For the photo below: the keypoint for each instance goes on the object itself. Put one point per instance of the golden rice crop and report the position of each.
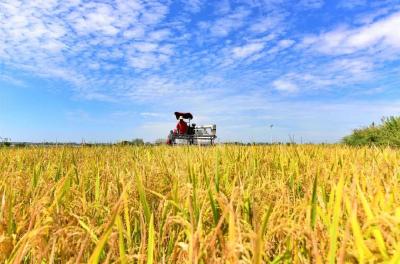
(223, 204)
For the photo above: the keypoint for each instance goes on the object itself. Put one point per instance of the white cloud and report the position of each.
(155, 13)
(334, 75)
(134, 33)
(145, 46)
(143, 61)
(285, 86)
(281, 45)
(247, 50)
(94, 66)
(225, 25)
(368, 18)
(96, 18)
(159, 35)
(11, 80)
(270, 22)
(193, 6)
(222, 7)
(355, 67)
(312, 81)
(285, 43)
(167, 49)
(382, 34)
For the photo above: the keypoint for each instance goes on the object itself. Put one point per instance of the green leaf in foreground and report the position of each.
(314, 204)
(150, 245)
(142, 197)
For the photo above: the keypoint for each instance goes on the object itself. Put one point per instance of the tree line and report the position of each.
(387, 133)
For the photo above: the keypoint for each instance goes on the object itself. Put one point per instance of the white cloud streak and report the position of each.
(381, 35)
(247, 50)
(285, 86)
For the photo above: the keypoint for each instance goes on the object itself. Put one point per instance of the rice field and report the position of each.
(223, 204)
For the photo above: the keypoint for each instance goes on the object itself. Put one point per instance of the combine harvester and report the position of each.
(190, 134)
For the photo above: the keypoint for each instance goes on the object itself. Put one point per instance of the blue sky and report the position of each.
(73, 70)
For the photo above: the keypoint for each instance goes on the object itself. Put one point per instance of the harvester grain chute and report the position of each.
(187, 133)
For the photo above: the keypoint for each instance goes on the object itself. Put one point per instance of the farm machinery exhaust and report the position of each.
(186, 133)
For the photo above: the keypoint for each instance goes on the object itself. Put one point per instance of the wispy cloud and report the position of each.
(285, 86)
(193, 6)
(11, 80)
(222, 27)
(378, 35)
(247, 50)
(281, 45)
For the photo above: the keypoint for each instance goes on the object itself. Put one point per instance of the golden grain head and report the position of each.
(247, 204)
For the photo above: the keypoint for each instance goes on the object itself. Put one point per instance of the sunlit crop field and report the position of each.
(223, 204)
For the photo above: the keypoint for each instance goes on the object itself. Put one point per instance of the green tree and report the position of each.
(385, 134)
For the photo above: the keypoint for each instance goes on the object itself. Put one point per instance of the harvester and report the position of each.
(191, 134)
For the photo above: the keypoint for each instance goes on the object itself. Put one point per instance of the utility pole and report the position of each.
(270, 134)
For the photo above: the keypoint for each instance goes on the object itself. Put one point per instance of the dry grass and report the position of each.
(226, 204)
